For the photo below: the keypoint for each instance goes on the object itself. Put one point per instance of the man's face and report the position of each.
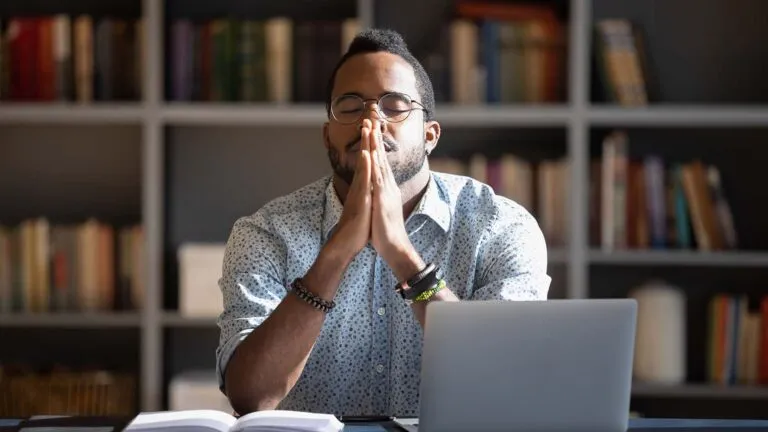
(369, 76)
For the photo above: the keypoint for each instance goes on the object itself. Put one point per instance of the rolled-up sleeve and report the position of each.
(251, 284)
(512, 260)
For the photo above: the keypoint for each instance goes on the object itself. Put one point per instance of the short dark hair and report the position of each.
(376, 40)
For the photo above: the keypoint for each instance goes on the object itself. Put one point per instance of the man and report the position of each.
(316, 313)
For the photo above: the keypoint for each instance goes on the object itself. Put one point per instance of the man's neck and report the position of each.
(411, 191)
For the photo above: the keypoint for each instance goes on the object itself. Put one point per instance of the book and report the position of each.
(219, 421)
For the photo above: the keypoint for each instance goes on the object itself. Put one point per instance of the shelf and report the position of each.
(704, 390)
(679, 116)
(172, 319)
(679, 258)
(96, 113)
(67, 319)
(221, 114)
(314, 115)
(503, 115)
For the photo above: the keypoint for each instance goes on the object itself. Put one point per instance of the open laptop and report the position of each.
(555, 365)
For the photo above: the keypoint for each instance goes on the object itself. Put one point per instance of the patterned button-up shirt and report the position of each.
(366, 360)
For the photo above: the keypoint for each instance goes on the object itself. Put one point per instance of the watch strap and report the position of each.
(419, 283)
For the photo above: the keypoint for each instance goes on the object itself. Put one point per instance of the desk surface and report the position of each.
(635, 425)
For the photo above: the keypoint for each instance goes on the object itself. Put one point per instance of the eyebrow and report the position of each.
(363, 97)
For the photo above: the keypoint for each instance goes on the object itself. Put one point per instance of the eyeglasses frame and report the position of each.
(378, 109)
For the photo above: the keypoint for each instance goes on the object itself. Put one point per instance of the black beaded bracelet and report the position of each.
(312, 299)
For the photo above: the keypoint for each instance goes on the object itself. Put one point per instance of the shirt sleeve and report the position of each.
(251, 284)
(512, 261)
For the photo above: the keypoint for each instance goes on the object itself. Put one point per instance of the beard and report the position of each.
(403, 170)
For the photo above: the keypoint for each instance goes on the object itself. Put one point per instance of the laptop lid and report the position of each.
(527, 366)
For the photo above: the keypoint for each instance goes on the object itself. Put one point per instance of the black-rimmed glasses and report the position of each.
(394, 107)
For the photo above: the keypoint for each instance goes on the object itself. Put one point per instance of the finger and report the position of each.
(386, 169)
(367, 127)
(366, 148)
(375, 168)
(375, 135)
(363, 171)
(378, 139)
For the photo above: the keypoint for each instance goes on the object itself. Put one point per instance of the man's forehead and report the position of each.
(371, 74)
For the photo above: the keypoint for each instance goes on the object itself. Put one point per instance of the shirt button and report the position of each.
(382, 311)
(380, 368)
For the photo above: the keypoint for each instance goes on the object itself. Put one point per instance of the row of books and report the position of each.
(654, 204)
(274, 60)
(493, 52)
(540, 187)
(71, 58)
(88, 266)
(737, 340)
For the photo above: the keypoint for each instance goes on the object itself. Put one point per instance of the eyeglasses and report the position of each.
(394, 107)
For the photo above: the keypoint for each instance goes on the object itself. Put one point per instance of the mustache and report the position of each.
(388, 141)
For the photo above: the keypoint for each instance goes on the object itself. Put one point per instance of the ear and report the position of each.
(326, 140)
(431, 135)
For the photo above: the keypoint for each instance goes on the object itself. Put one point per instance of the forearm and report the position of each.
(267, 363)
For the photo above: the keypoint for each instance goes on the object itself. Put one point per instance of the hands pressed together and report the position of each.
(373, 210)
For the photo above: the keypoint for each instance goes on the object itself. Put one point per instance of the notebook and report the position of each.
(218, 421)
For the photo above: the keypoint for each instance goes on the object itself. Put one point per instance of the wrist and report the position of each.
(405, 263)
(325, 274)
(339, 249)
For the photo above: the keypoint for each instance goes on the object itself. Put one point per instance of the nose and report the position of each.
(373, 113)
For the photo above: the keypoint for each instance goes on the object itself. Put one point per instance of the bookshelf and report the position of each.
(185, 170)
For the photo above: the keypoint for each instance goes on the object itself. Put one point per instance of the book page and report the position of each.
(281, 420)
(189, 420)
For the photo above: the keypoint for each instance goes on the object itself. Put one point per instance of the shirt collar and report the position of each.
(332, 210)
(433, 204)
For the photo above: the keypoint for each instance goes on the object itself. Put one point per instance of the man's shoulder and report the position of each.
(473, 199)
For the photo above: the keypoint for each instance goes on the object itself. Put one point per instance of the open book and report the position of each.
(218, 421)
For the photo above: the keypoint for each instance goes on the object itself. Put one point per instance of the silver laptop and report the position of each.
(555, 365)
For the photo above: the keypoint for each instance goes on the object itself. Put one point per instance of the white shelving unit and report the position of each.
(578, 116)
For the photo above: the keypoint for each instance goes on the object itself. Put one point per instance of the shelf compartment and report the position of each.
(699, 285)
(188, 350)
(698, 51)
(108, 348)
(736, 152)
(68, 173)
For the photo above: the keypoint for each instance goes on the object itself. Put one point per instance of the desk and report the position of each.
(635, 425)
(701, 425)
